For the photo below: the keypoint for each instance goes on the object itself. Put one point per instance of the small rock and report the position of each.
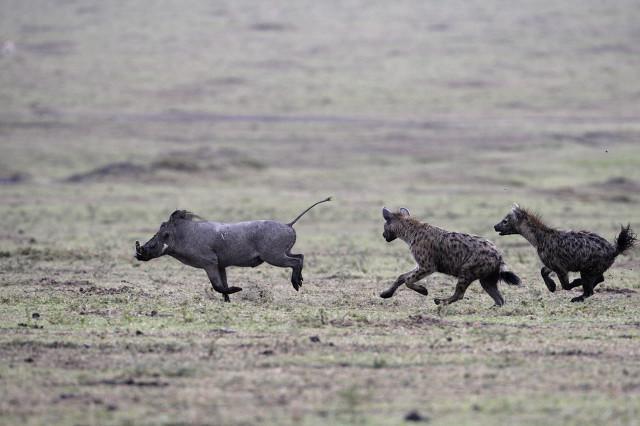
(415, 416)
(267, 352)
(35, 315)
(315, 339)
(28, 360)
(139, 333)
(153, 313)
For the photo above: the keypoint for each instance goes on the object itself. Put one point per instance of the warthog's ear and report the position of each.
(404, 212)
(386, 214)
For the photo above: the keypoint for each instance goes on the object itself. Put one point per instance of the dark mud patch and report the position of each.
(50, 48)
(271, 27)
(48, 254)
(14, 178)
(614, 190)
(113, 171)
(127, 382)
(615, 290)
(620, 183)
(207, 159)
(202, 160)
(52, 282)
(596, 138)
(105, 291)
(424, 320)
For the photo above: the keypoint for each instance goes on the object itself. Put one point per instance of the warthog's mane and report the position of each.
(184, 215)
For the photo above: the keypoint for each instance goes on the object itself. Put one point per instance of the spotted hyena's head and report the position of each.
(393, 222)
(509, 225)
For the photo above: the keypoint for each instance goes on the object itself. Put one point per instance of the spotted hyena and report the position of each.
(567, 251)
(464, 256)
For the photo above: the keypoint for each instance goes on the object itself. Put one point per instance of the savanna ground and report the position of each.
(114, 114)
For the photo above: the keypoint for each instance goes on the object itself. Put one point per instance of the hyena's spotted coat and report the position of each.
(464, 256)
(567, 251)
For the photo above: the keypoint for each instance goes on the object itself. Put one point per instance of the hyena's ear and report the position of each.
(515, 207)
(404, 212)
(386, 214)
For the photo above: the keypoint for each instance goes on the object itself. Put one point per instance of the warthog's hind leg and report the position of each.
(288, 261)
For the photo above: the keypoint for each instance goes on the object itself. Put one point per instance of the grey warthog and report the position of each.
(466, 257)
(567, 251)
(213, 246)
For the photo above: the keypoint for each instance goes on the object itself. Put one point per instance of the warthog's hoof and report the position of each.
(437, 301)
(578, 299)
(232, 290)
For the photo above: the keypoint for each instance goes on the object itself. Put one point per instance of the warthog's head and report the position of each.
(158, 244)
(392, 222)
(164, 239)
(509, 225)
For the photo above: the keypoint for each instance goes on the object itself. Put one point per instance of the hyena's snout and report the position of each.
(389, 236)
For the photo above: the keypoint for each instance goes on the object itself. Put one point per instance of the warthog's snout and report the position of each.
(140, 252)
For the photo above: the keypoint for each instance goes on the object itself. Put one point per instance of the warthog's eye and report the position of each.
(504, 220)
(165, 235)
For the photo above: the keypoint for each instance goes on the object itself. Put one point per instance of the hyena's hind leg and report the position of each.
(490, 285)
(458, 294)
(588, 284)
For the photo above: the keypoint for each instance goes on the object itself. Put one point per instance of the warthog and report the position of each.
(213, 246)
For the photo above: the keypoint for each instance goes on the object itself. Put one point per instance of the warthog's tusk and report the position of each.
(165, 246)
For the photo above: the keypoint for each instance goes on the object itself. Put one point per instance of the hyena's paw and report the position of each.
(387, 293)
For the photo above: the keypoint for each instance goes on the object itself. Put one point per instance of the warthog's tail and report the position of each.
(508, 276)
(625, 240)
(303, 213)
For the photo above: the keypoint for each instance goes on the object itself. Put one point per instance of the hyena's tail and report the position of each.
(508, 276)
(625, 240)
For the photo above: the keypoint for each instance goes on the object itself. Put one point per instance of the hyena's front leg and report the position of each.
(549, 282)
(408, 278)
(564, 281)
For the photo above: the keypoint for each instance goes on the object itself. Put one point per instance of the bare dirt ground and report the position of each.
(112, 116)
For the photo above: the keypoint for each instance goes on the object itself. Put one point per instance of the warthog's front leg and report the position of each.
(213, 272)
(408, 278)
(223, 278)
